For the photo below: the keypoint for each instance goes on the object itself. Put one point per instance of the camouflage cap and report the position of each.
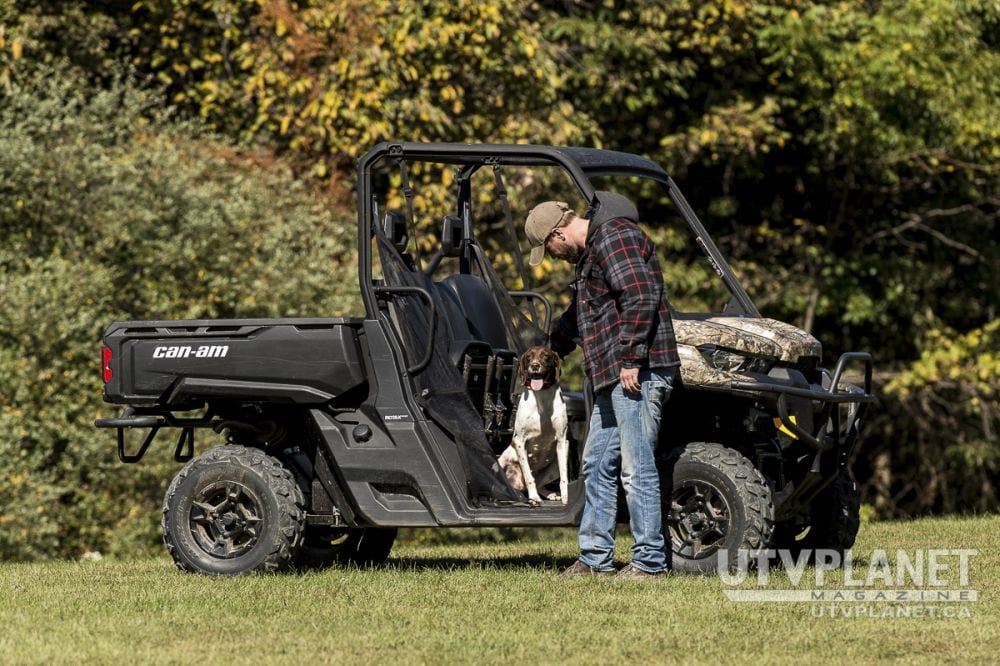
(542, 219)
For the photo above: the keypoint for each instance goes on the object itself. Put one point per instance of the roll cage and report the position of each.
(581, 164)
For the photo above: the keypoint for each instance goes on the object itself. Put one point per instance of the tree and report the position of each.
(326, 79)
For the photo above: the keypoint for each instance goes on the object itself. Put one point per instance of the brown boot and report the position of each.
(578, 568)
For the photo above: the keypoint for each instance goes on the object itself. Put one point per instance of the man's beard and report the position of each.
(570, 254)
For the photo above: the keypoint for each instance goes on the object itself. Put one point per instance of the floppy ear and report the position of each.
(556, 361)
(521, 372)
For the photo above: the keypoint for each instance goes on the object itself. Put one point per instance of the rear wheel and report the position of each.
(326, 546)
(233, 510)
(714, 501)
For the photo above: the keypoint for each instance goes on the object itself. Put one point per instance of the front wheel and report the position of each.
(832, 523)
(233, 510)
(714, 501)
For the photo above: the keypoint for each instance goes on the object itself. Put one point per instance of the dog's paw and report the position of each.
(553, 496)
(535, 501)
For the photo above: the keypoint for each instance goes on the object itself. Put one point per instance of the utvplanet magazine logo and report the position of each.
(928, 583)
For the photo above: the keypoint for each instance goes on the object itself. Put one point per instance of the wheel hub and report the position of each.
(698, 519)
(225, 519)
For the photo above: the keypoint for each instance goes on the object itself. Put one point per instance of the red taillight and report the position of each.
(106, 363)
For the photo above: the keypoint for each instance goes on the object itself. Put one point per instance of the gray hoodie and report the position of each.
(608, 206)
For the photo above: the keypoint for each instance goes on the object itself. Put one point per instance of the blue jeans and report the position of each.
(623, 431)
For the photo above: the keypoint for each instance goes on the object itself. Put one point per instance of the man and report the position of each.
(621, 317)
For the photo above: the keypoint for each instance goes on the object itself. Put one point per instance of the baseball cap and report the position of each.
(542, 219)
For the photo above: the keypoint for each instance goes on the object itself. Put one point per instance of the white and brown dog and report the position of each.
(540, 450)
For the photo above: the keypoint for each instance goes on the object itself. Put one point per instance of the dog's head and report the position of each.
(539, 368)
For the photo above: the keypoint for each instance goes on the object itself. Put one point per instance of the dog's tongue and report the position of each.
(536, 384)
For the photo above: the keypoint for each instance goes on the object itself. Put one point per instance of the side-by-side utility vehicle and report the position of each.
(335, 432)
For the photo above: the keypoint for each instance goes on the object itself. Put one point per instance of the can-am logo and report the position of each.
(186, 351)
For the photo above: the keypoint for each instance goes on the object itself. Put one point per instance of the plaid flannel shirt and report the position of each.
(620, 314)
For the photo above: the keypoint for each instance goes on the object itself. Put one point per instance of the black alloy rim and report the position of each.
(698, 519)
(226, 519)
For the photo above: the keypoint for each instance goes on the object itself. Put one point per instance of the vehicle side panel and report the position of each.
(298, 360)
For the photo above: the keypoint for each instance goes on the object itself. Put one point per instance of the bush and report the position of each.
(110, 211)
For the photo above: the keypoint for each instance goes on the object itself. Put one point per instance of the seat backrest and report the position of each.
(480, 309)
(451, 313)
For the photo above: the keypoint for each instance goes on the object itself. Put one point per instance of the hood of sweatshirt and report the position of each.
(608, 206)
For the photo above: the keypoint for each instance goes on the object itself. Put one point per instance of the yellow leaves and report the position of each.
(333, 76)
(300, 86)
(16, 49)
(971, 360)
(311, 110)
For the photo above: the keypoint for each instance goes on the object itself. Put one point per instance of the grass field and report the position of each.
(489, 604)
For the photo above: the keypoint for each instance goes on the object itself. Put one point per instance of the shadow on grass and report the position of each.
(541, 562)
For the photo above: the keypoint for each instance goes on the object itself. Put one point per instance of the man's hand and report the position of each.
(630, 380)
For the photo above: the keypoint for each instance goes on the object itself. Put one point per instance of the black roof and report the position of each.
(591, 161)
(595, 159)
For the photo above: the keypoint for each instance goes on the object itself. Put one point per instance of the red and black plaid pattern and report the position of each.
(620, 314)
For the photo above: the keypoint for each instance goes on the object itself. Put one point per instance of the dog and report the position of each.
(539, 452)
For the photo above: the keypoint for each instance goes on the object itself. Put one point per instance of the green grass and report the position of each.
(492, 604)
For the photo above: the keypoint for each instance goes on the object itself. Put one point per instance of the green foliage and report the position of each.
(845, 156)
(903, 185)
(36, 35)
(327, 79)
(108, 211)
(940, 421)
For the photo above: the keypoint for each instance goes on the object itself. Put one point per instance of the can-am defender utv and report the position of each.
(338, 431)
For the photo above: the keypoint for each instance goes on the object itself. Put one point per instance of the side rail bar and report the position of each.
(535, 296)
(419, 366)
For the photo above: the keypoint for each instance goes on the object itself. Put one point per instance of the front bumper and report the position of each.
(839, 406)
